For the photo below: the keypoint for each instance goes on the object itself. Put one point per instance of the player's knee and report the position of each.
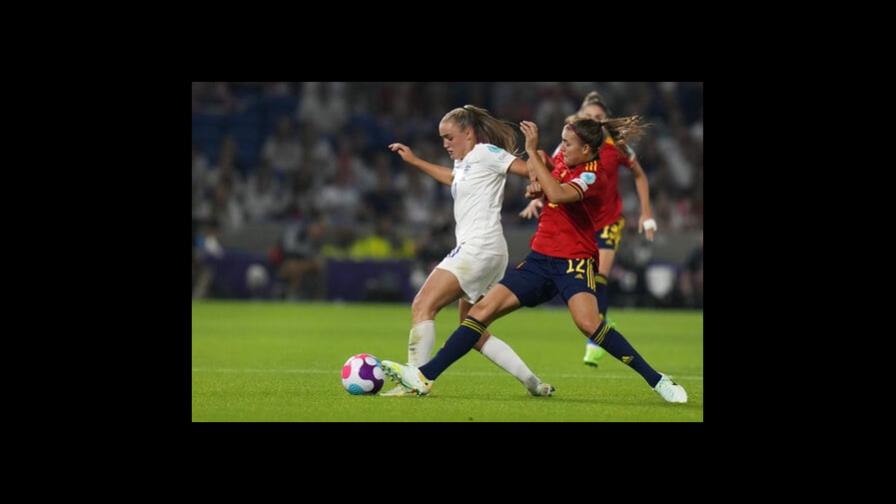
(482, 312)
(587, 325)
(422, 309)
(482, 339)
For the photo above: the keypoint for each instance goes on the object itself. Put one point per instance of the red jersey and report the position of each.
(566, 230)
(610, 160)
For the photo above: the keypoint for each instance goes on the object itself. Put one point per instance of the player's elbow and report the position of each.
(522, 173)
(564, 196)
(567, 198)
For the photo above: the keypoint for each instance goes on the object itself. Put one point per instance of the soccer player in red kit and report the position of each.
(610, 223)
(561, 262)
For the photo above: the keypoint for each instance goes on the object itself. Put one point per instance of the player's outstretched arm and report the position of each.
(646, 224)
(518, 167)
(440, 173)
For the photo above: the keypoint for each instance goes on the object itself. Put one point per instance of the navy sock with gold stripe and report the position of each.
(458, 344)
(617, 346)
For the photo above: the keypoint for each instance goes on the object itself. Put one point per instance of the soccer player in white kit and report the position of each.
(479, 144)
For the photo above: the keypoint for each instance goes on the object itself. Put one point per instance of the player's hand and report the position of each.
(534, 190)
(531, 209)
(530, 131)
(404, 151)
(647, 225)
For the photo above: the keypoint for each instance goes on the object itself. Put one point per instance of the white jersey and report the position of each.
(478, 191)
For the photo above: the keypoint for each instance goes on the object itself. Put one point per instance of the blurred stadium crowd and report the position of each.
(309, 160)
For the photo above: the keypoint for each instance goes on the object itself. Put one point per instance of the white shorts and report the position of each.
(476, 271)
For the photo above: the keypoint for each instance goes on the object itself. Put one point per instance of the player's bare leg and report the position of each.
(440, 289)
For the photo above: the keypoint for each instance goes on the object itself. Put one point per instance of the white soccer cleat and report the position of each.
(399, 391)
(671, 391)
(408, 376)
(543, 389)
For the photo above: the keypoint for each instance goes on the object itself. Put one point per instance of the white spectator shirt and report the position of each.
(478, 192)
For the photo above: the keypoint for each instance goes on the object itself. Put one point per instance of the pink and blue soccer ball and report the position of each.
(362, 374)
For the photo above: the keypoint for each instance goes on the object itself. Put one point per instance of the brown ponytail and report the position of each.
(487, 128)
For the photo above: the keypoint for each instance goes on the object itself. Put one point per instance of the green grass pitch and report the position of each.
(281, 362)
